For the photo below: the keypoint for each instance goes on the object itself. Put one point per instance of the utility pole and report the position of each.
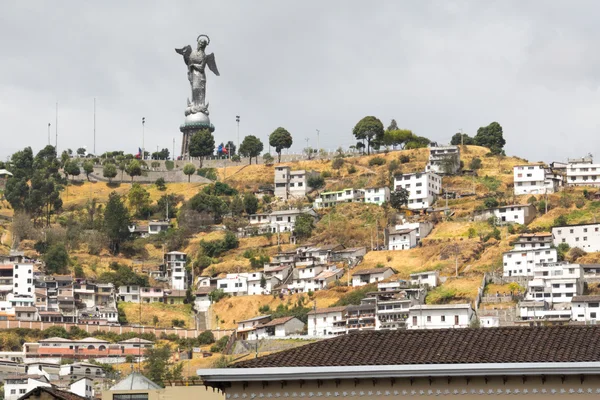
(462, 138)
(307, 149)
(49, 134)
(315, 310)
(173, 156)
(237, 119)
(56, 130)
(143, 138)
(318, 132)
(94, 126)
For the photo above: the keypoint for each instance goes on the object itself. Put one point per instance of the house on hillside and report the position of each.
(555, 282)
(279, 328)
(247, 327)
(423, 188)
(428, 278)
(532, 241)
(443, 159)
(585, 308)
(175, 264)
(333, 198)
(373, 275)
(440, 316)
(377, 195)
(584, 236)
(522, 262)
(18, 385)
(327, 321)
(535, 179)
(291, 184)
(583, 172)
(400, 239)
(516, 214)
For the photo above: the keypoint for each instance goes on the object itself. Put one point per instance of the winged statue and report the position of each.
(196, 61)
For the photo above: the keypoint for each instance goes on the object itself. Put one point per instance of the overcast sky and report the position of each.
(434, 66)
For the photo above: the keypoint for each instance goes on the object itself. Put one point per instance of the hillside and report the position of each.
(348, 224)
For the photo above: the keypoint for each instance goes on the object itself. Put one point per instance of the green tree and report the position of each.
(280, 139)
(304, 226)
(72, 168)
(88, 168)
(237, 206)
(268, 159)
(80, 151)
(109, 171)
(561, 220)
(315, 182)
(160, 184)
(116, 222)
(337, 163)
(475, 164)
(398, 137)
(139, 199)
(490, 202)
(491, 137)
(122, 167)
(45, 185)
(369, 128)
(189, 170)
(465, 139)
(20, 165)
(250, 203)
(56, 259)
(202, 144)
(399, 198)
(156, 364)
(393, 125)
(250, 147)
(167, 201)
(231, 148)
(134, 168)
(263, 281)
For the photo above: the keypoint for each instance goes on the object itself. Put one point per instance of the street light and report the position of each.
(318, 132)
(237, 119)
(143, 138)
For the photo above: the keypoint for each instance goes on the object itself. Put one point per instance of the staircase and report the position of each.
(201, 321)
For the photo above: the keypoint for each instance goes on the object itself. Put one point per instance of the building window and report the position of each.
(443, 318)
(414, 321)
(429, 318)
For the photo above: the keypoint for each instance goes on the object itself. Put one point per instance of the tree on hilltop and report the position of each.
(202, 144)
(370, 129)
(250, 147)
(280, 139)
(491, 136)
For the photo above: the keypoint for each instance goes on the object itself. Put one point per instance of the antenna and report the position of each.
(56, 130)
(94, 126)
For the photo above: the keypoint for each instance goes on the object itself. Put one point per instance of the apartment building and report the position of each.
(277, 221)
(534, 179)
(400, 238)
(585, 308)
(377, 195)
(175, 263)
(522, 262)
(584, 236)
(583, 172)
(521, 214)
(333, 198)
(532, 241)
(291, 184)
(440, 316)
(373, 275)
(327, 321)
(443, 159)
(423, 188)
(555, 282)
(427, 278)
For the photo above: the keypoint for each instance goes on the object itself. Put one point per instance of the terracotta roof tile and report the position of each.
(445, 346)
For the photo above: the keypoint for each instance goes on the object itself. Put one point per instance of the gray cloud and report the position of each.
(434, 66)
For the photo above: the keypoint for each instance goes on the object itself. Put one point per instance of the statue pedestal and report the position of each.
(193, 123)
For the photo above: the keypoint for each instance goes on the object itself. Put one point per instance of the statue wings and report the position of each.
(212, 64)
(185, 52)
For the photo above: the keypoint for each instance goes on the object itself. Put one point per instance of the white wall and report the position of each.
(423, 188)
(439, 318)
(377, 195)
(23, 279)
(323, 322)
(402, 241)
(522, 262)
(586, 237)
(585, 311)
(582, 174)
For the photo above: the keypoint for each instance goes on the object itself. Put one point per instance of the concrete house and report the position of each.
(248, 326)
(534, 179)
(427, 278)
(585, 308)
(280, 328)
(522, 262)
(331, 199)
(583, 172)
(377, 195)
(291, 184)
(516, 213)
(423, 188)
(400, 239)
(373, 275)
(555, 282)
(443, 159)
(327, 321)
(440, 316)
(584, 236)
(175, 262)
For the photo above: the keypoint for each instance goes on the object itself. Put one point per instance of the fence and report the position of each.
(182, 333)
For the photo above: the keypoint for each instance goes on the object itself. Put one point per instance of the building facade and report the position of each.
(423, 188)
(584, 236)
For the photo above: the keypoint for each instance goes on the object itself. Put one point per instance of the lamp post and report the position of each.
(318, 132)
(143, 138)
(48, 133)
(237, 119)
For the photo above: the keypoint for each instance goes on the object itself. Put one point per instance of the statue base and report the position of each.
(192, 125)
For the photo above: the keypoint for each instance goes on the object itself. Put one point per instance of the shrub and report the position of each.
(264, 309)
(472, 233)
(475, 163)
(490, 202)
(216, 295)
(169, 165)
(219, 346)
(561, 220)
(206, 337)
(160, 183)
(511, 229)
(531, 200)
(337, 163)
(541, 206)
(404, 158)
(579, 203)
(351, 169)
(354, 297)
(574, 254)
(208, 173)
(377, 161)
(393, 166)
(326, 174)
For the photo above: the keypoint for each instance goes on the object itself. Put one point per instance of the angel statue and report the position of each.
(196, 60)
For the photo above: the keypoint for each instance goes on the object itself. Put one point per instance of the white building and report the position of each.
(516, 213)
(331, 199)
(429, 278)
(23, 279)
(255, 279)
(377, 195)
(440, 316)
(279, 328)
(327, 321)
(83, 387)
(278, 221)
(16, 386)
(235, 284)
(129, 294)
(202, 300)
(583, 172)
(541, 310)
(247, 327)
(291, 184)
(534, 179)
(532, 241)
(522, 262)
(176, 272)
(585, 308)
(423, 188)
(156, 227)
(400, 238)
(555, 282)
(584, 236)
(373, 275)
(443, 159)
(489, 321)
